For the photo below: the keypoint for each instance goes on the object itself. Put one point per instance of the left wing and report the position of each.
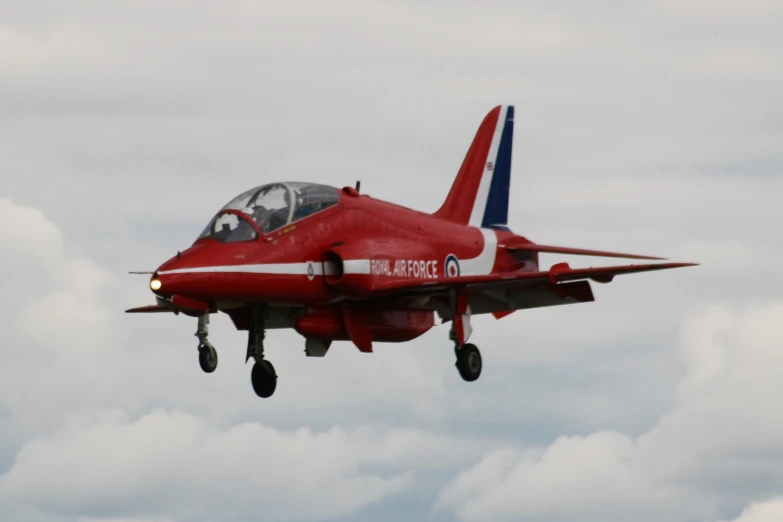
(150, 309)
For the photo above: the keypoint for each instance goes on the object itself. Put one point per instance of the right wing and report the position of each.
(559, 273)
(500, 294)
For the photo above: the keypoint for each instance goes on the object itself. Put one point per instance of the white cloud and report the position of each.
(175, 464)
(765, 511)
(723, 434)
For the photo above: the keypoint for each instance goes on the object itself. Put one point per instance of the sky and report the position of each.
(646, 127)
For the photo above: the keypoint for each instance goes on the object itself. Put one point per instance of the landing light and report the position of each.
(155, 284)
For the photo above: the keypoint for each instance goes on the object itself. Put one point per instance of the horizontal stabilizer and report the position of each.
(517, 245)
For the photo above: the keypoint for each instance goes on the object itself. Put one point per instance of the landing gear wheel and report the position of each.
(469, 362)
(263, 378)
(207, 358)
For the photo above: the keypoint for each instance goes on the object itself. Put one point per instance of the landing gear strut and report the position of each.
(263, 376)
(207, 355)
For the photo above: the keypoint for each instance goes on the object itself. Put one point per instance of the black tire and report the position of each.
(469, 362)
(207, 359)
(263, 378)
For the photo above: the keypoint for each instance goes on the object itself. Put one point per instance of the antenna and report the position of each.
(358, 185)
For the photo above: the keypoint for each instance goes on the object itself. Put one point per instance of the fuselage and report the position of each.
(376, 241)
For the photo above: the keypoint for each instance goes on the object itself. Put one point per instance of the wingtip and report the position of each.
(146, 309)
(680, 265)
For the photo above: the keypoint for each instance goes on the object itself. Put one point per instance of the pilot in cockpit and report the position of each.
(271, 208)
(261, 215)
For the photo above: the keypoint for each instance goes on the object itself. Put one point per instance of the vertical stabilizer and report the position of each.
(479, 195)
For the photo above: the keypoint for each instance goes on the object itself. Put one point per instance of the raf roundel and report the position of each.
(452, 266)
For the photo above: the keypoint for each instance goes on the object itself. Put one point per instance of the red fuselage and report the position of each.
(387, 236)
(346, 252)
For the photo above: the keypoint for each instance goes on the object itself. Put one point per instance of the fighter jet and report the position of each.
(335, 264)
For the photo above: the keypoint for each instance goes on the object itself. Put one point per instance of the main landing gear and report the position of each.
(468, 357)
(263, 376)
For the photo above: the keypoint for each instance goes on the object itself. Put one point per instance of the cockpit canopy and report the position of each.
(271, 207)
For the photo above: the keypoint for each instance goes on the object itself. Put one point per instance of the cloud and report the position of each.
(765, 511)
(720, 442)
(176, 464)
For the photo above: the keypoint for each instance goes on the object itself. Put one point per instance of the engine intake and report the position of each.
(334, 267)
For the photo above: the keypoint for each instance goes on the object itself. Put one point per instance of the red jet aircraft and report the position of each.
(337, 265)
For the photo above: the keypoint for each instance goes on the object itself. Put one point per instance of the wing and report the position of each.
(559, 273)
(501, 293)
(150, 309)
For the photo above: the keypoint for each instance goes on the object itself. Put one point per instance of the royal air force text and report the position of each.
(410, 268)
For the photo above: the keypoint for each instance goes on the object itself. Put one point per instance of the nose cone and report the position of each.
(180, 275)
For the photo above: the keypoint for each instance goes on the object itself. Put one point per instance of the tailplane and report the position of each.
(479, 195)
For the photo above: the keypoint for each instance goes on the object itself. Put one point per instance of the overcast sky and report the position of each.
(640, 126)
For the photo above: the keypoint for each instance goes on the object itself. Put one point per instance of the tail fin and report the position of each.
(479, 195)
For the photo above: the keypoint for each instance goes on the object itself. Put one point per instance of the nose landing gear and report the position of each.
(207, 355)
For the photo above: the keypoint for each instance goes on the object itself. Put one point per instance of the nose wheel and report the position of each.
(207, 355)
(469, 362)
(207, 358)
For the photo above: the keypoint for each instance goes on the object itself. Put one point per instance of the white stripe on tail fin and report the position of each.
(479, 195)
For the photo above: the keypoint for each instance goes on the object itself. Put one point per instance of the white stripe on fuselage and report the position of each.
(479, 265)
(353, 266)
(278, 268)
(480, 203)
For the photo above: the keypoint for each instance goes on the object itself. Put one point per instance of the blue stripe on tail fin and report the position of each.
(496, 212)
